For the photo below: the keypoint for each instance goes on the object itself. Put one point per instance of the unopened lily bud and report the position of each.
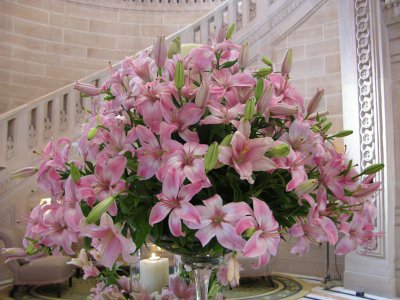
(316, 114)
(211, 157)
(87, 89)
(174, 47)
(266, 61)
(179, 75)
(280, 150)
(230, 32)
(186, 48)
(315, 101)
(259, 89)
(74, 171)
(244, 56)
(263, 72)
(23, 173)
(250, 109)
(92, 133)
(160, 51)
(227, 140)
(99, 210)
(342, 133)
(262, 103)
(286, 66)
(202, 95)
(284, 109)
(13, 252)
(307, 186)
(221, 34)
(373, 169)
(233, 275)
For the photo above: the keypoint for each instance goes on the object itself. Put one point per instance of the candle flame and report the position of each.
(153, 255)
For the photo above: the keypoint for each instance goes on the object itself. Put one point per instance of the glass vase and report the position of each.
(201, 268)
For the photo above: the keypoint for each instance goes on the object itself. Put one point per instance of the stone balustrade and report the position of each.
(30, 126)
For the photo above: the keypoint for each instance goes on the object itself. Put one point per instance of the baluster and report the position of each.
(73, 98)
(252, 10)
(3, 142)
(21, 140)
(10, 142)
(187, 36)
(64, 113)
(204, 32)
(197, 35)
(239, 15)
(47, 121)
(245, 12)
(211, 29)
(232, 7)
(55, 115)
(218, 20)
(41, 112)
(32, 130)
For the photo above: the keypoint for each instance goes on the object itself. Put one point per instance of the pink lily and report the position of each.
(219, 220)
(283, 92)
(222, 115)
(247, 155)
(174, 200)
(178, 289)
(182, 118)
(265, 240)
(150, 154)
(118, 142)
(82, 261)
(109, 242)
(299, 135)
(106, 181)
(188, 161)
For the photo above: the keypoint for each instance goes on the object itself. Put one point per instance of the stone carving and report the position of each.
(32, 136)
(10, 147)
(368, 118)
(63, 120)
(252, 10)
(391, 11)
(48, 130)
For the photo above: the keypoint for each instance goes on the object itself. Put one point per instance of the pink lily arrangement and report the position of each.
(198, 150)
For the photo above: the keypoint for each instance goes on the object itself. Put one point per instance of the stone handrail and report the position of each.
(61, 113)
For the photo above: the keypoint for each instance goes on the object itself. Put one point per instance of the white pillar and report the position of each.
(368, 112)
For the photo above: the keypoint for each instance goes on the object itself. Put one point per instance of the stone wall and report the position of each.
(316, 64)
(47, 44)
(394, 48)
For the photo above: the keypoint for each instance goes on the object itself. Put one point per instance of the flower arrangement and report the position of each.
(205, 157)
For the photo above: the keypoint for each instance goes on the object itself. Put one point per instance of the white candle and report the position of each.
(154, 273)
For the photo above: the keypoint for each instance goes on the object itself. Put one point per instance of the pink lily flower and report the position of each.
(182, 118)
(106, 181)
(189, 162)
(218, 221)
(118, 142)
(82, 261)
(222, 115)
(265, 240)
(201, 58)
(247, 155)
(283, 92)
(109, 242)
(358, 232)
(178, 289)
(174, 200)
(226, 84)
(150, 154)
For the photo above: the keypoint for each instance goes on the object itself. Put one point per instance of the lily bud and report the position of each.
(221, 34)
(342, 133)
(186, 48)
(23, 173)
(263, 72)
(202, 95)
(320, 113)
(91, 133)
(74, 171)
(250, 109)
(258, 90)
(230, 32)
(13, 252)
(307, 186)
(233, 275)
(373, 169)
(280, 150)
(283, 109)
(315, 101)
(87, 89)
(179, 75)
(99, 210)
(262, 104)
(287, 63)
(248, 233)
(244, 56)
(160, 51)
(227, 140)
(266, 61)
(174, 47)
(211, 157)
